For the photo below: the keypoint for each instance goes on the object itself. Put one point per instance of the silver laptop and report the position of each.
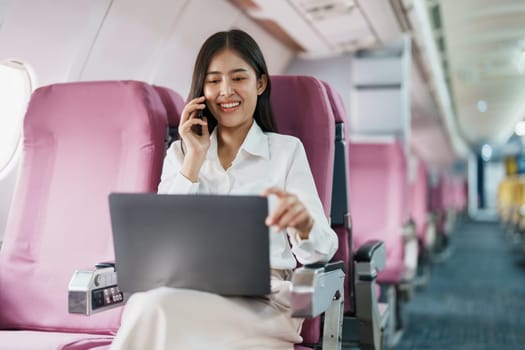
(211, 243)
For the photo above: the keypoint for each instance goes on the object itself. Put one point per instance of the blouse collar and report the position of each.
(255, 143)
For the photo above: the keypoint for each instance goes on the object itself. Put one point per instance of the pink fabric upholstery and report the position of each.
(337, 104)
(344, 253)
(449, 193)
(302, 109)
(459, 193)
(440, 201)
(81, 142)
(32, 340)
(419, 201)
(301, 113)
(173, 102)
(378, 197)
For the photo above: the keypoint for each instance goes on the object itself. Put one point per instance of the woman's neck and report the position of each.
(229, 140)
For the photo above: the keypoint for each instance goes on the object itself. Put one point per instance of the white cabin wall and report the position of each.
(131, 39)
(8, 182)
(5, 8)
(52, 37)
(7, 185)
(178, 56)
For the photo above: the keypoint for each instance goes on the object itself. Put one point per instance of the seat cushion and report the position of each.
(34, 340)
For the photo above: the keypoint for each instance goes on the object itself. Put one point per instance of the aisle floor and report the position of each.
(475, 299)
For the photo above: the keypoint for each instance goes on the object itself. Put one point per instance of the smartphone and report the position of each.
(198, 128)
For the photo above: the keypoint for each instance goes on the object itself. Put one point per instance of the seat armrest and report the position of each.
(330, 266)
(319, 288)
(314, 288)
(94, 289)
(366, 252)
(371, 256)
(105, 264)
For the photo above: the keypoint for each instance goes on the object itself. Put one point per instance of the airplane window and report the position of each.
(15, 90)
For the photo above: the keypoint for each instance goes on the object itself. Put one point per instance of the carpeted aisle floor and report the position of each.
(475, 299)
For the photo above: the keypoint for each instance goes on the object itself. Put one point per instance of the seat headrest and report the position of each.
(173, 102)
(81, 105)
(336, 102)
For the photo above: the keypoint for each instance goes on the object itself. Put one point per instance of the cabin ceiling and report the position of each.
(482, 45)
(480, 49)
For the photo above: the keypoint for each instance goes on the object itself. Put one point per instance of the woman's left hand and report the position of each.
(289, 212)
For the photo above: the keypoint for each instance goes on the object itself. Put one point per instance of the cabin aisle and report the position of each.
(475, 299)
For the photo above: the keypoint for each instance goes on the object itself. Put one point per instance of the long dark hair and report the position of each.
(242, 43)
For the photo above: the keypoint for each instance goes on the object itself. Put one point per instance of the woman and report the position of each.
(233, 149)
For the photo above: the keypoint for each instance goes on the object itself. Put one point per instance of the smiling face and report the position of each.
(231, 88)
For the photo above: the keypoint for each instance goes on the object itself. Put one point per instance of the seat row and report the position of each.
(85, 140)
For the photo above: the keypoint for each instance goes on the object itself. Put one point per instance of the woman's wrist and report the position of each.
(191, 167)
(305, 233)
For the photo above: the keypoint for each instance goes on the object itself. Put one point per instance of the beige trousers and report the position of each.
(169, 318)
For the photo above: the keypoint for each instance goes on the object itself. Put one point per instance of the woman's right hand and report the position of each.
(195, 145)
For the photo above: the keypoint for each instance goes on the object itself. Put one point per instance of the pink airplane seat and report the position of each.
(363, 312)
(448, 203)
(81, 141)
(379, 197)
(300, 106)
(302, 109)
(174, 104)
(419, 207)
(289, 124)
(436, 201)
(459, 194)
(424, 223)
(442, 207)
(380, 211)
(454, 201)
(340, 206)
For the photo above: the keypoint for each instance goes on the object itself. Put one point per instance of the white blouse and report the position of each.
(264, 160)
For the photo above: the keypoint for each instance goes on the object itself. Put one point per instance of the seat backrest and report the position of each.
(340, 207)
(378, 196)
(439, 201)
(81, 142)
(419, 200)
(340, 201)
(174, 104)
(460, 193)
(302, 109)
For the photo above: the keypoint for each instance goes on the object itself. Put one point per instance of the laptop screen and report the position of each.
(212, 243)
